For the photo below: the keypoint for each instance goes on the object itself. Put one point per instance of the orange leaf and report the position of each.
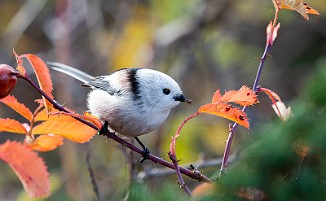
(244, 96)
(298, 5)
(28, 166)
(43, 77)
(20, 66)
(46, 143)
(13, 126)
(226, 111)
(203, 189)
(18, 107)
(217, 96)
(91, 118)
(42, 115)
(67, 127)
(87, 117)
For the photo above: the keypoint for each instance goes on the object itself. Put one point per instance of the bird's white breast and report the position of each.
(125, 116)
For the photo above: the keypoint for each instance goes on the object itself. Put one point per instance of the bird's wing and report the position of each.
(102, 84)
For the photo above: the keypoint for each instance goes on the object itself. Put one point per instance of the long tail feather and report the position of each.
(71, 71)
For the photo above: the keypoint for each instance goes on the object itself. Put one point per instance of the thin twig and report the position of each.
(235, 125)
(200, 164)
(180, 179)
(195, 175)
(192, 174)
(92, 176)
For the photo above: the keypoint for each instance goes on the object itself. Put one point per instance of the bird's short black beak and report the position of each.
(182, 98)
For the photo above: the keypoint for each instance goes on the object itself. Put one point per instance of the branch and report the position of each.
(235, 125)
(195, 175)
(200, 164)
(92, 176)
(192, 174)
(180, 179)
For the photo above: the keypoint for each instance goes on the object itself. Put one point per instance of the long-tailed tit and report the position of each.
(133, 101)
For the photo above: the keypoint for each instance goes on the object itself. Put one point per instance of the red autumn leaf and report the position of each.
(45, 143)
(244, 96)
(297, 5)
(43, 77)
(67, 127)
(13, 126)
(28, 166)
(20, 108)
(226, 111)
(271, 33)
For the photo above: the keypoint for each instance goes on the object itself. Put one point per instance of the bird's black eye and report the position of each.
(166, 91)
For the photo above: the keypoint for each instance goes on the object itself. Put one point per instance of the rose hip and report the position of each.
(8, 79)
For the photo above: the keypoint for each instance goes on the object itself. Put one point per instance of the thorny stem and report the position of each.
(235, 125)
(192, 174)
(200, 164)
(195, 175)
(173, 157)
(177, 169)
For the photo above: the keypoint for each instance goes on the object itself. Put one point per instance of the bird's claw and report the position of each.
(104, 129)
(145, 155)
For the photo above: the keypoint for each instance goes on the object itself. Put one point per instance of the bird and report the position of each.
(131, 101)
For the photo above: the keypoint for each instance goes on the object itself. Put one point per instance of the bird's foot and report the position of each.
(145, 155)
(146, 151)
(104, 128)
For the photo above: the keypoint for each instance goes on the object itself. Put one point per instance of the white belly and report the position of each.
(123, 116)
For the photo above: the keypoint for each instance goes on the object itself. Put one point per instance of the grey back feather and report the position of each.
(102, 84)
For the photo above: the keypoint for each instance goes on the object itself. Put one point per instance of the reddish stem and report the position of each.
(177, 169)
(235, 125)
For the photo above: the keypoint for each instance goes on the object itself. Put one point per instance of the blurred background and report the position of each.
(203, 44)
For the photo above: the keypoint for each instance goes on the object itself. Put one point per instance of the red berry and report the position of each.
(8, 80)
